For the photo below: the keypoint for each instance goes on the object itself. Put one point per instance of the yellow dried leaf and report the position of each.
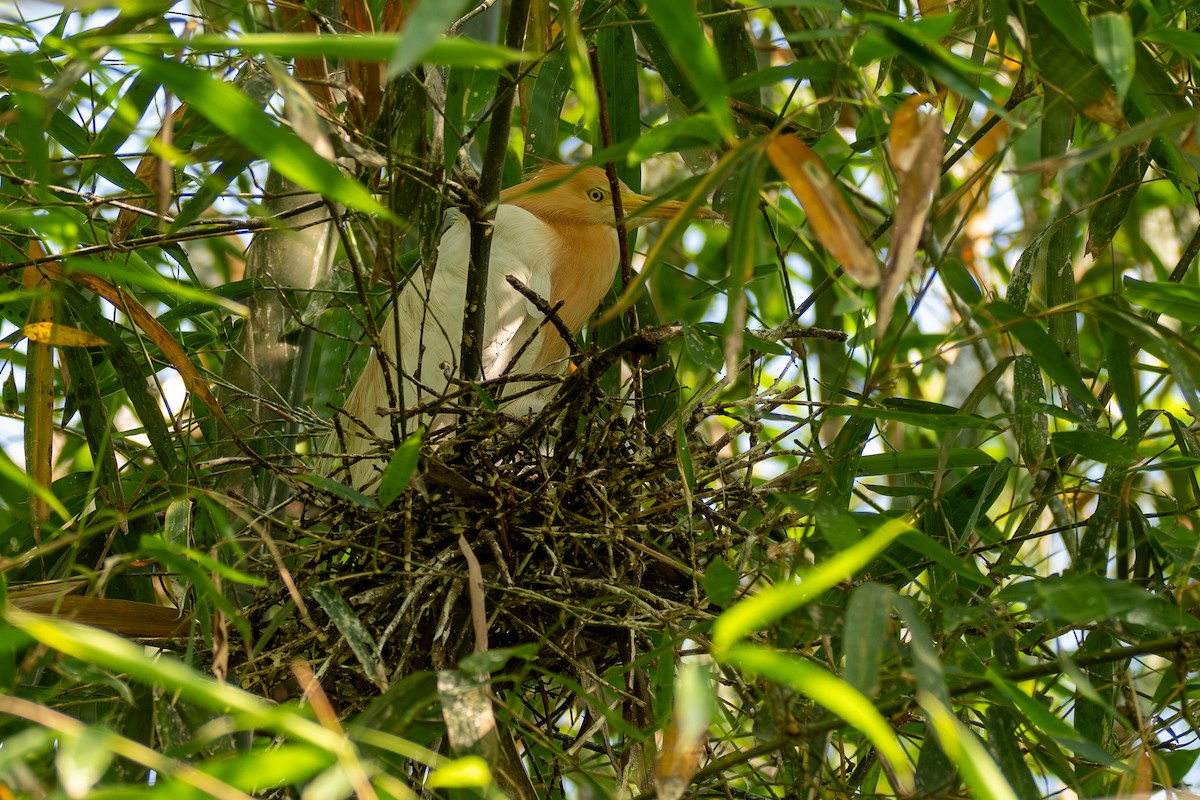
(827, 212)
(60, 335)
(1107, 110)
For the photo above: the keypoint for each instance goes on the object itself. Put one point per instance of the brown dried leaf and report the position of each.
(827, 212)
(933, 8)
(678, 760)
(1107, 110)
(124, 617)
(916, 142)
(365, 78)
(312, 71)
(394, 15)
(147, 172)
(39, 387)
(154, 331)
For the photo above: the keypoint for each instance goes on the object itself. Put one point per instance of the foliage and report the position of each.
(952, 551)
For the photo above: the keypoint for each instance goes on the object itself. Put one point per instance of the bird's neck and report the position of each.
(584, 267)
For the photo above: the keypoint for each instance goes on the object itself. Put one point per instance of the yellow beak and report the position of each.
(640, 209)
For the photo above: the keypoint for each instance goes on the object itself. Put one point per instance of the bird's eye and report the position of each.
(596, 195)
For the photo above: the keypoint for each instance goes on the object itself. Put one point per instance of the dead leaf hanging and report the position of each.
(830, 217)
(916, 142)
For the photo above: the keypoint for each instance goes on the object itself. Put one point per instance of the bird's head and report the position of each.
(581, 196)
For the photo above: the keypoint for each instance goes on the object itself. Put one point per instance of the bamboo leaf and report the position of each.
(1044, 349)
(827, 211)
(1029, 420)
(362, 644)
(696, 57)
(775, 601)
(400, 469)
(423, 29)
(864, 635)
(238, 116)
(978, 770)
(834, 694)
(1112, 36)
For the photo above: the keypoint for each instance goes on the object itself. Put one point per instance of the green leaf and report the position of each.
(865, 635)
(696, 57)
(1039, 344)
(979, 772)
(926, 663)
(1029, 420)
(963, 567)
(1095, 446)
(1002, 726)
(1085, 599)
(400, 468)
(929, 421)
(720, 582)
(1116, 199)
(115, 653)
(468, 772)
(446, 52)
(340, 490)
(833, 694)
(262, 769)
(32, 114)
(960, 281)
(550, 89)
(161, 548)
(362, 644)
(1182, 370)
(1048, 723)
(1060, 40)
(1175, 300)
(82, 760)
(1112, 36)
(1119, 362)
(423, 29)
(772, 603)
(920, 460)
(581, 71)
(238, 116)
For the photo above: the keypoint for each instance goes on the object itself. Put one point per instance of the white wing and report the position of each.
(429, 324)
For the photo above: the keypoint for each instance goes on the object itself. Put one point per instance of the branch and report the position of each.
(484, 214)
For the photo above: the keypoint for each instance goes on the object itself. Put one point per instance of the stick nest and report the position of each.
(590, 535)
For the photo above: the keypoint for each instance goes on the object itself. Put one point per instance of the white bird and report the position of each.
(556, 233)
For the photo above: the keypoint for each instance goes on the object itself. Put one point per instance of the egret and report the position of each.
(556, 233)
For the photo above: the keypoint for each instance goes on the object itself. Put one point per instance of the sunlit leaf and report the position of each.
(834, 694)
(772, 603)
(975, 765)
(52, 333)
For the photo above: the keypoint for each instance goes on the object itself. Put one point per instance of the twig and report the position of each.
(551, 314)
(470, 15)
